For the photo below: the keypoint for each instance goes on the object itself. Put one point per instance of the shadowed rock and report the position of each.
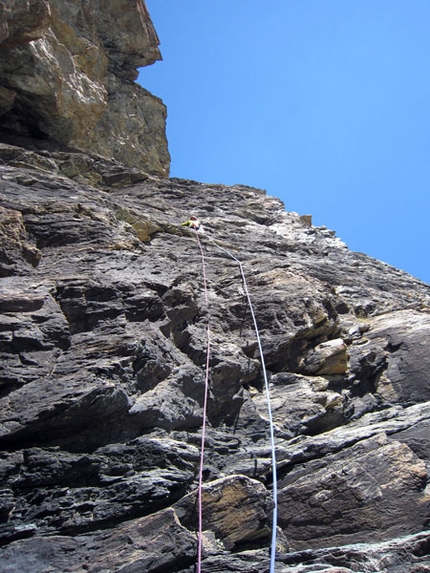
(103, 342)
(103, 325)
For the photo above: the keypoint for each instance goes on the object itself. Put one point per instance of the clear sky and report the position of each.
(322, 103)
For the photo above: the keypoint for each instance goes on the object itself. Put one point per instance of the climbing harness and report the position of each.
(194, 224)
(206, 392)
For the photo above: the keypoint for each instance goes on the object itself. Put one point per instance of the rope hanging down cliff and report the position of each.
(269, 408)
(197, 227)
(205, 402)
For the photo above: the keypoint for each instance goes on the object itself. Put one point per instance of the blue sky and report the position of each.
(323, 103)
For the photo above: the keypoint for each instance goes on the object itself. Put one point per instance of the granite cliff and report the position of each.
(103, 344)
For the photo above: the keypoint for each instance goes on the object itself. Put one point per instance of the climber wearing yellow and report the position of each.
(194, 224)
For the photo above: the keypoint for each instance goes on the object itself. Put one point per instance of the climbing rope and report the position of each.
(271, 425)
(205, 402)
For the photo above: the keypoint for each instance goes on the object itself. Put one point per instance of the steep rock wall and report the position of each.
(103, 346)
(67, 72)
(103, 341)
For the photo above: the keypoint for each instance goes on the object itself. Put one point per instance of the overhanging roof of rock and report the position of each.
(67, 72)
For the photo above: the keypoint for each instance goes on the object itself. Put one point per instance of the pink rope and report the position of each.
(271, 424)
(205, 402)
(269, 407)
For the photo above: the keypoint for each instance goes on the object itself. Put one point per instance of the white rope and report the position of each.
(205, 402)
(266, 384)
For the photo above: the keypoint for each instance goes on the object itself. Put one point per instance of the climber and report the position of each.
(194, 224)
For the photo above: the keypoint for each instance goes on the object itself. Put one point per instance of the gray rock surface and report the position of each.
(103, 346)
(67, 72)
(103, 341)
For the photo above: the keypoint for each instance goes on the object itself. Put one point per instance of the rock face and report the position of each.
(67, 72)
(103, 347)
(103, 340)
